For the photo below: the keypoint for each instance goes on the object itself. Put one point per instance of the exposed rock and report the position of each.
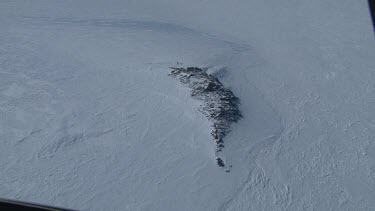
(220, 162)
(219, 104)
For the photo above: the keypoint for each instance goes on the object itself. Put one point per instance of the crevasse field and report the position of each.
(90, 119)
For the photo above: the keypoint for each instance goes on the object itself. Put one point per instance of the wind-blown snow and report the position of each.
(89, 118)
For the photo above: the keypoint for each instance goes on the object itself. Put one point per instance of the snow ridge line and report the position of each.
(219, 104)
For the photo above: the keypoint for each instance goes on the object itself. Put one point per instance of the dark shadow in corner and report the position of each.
(371, 4)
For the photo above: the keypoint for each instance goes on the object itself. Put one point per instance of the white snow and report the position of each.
(90, 119)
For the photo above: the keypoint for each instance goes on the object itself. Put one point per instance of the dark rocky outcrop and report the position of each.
(219, 104)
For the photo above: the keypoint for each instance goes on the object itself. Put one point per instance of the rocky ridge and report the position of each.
(219, 104)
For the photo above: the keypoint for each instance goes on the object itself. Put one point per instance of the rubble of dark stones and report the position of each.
(219, 104)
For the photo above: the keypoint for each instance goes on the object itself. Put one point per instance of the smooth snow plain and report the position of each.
(90, 119)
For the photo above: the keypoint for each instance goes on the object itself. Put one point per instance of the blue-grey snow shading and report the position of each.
(219, 105)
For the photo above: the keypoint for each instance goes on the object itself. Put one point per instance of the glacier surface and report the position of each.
(90, 119)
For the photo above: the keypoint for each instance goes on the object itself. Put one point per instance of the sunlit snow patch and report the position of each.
(219, 104)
